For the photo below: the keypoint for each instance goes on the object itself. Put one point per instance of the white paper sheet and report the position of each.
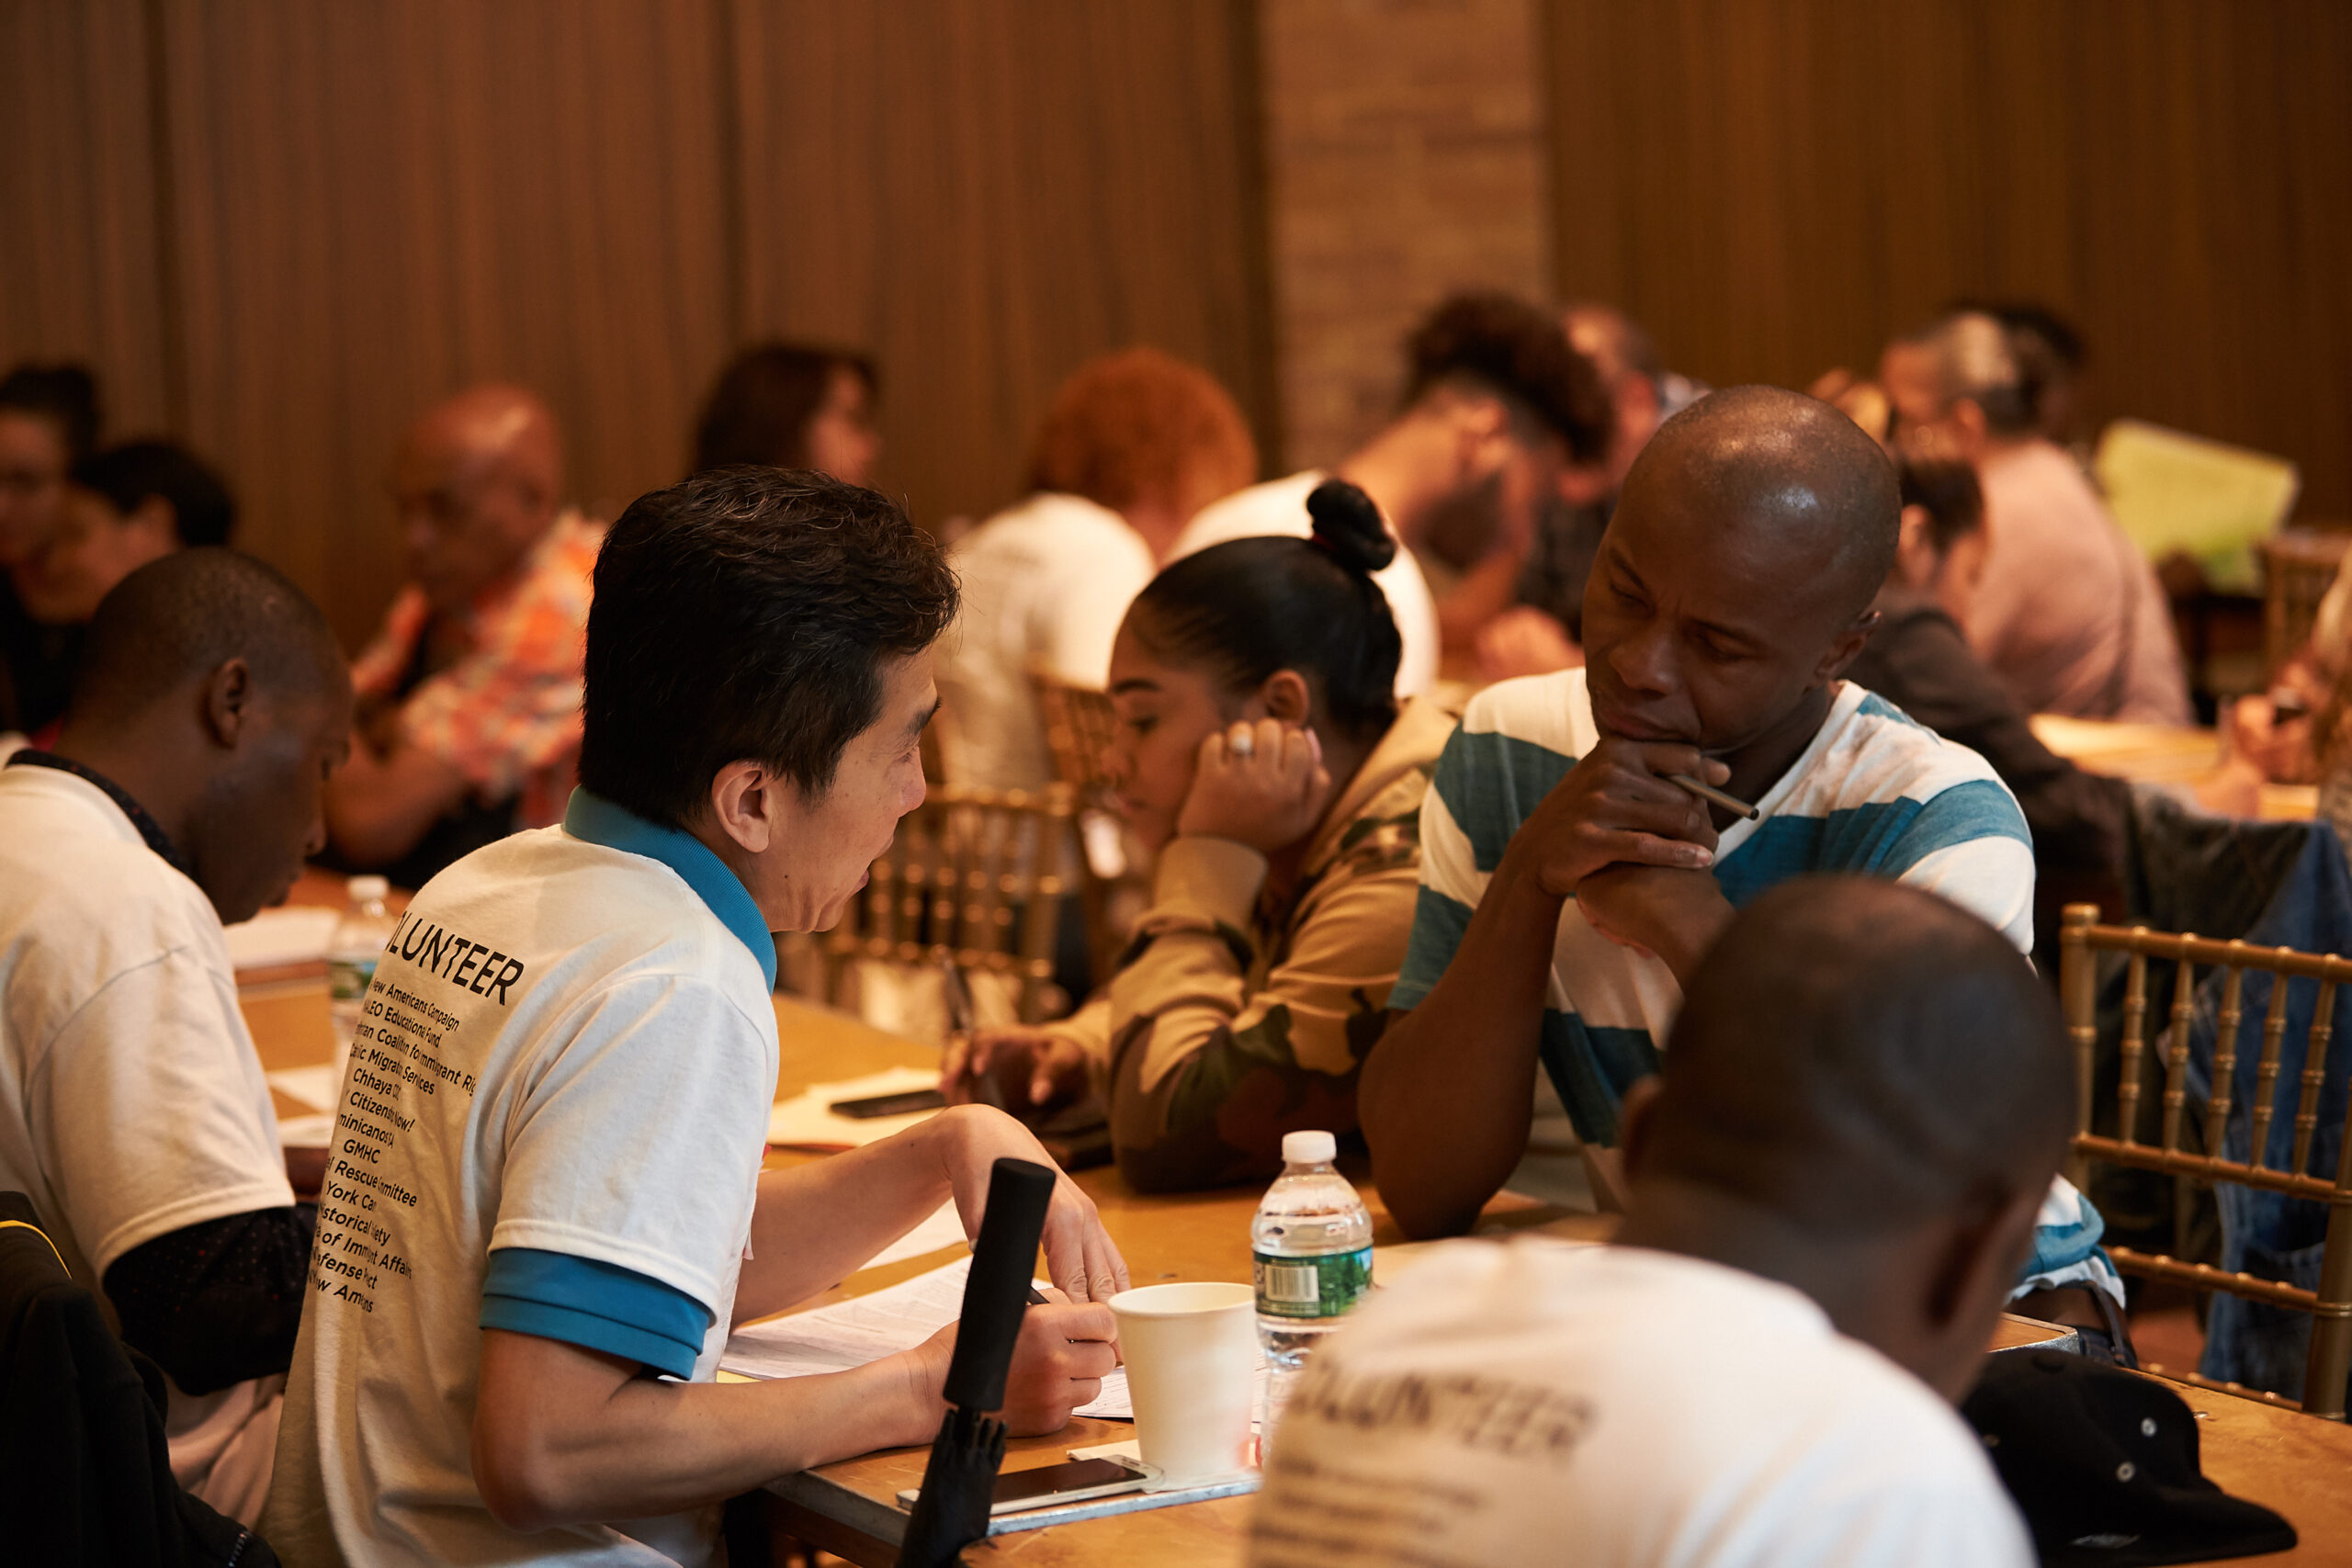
(315, 1086)
(805, 1120)
(292, 933)
(306, 1132)
(944, 1228)
(851, 1333)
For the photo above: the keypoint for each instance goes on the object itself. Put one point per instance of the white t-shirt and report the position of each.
(1615, 1407)
(1046, 585)
(572, 1054)
(131, 1104)
(1279, 506)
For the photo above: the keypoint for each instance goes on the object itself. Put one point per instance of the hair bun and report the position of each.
(1348, 524)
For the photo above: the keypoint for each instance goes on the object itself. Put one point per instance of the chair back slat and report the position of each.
(2184, 1012)
(2314, 1075)
(2329, 1363)
(2266, 1070)
(973, 879)
(2135, 1044)
(2225, 1052)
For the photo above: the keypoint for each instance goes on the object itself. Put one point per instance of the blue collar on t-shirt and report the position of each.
(594, 819)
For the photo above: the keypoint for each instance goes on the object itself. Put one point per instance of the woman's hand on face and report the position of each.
(1262, 785)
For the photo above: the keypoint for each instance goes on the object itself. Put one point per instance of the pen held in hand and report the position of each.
(1706, 791)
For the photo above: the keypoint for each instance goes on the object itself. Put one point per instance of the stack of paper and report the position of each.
(808, 1122)
(293, 933)
(316, 1088)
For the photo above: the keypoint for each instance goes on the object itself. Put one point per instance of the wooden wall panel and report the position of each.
(79, 266)
(983, 193)
(1776, 186)
(378, 203)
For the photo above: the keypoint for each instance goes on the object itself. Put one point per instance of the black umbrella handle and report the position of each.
(996, 1293)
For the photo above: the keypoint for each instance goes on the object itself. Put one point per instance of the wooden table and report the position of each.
(850, 1507)
(2161, 753)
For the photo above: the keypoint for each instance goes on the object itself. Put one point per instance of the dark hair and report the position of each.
(1947, 487)
(760, 408)
(186, 615)
(1862, 1056)
(1242, 610)
(203, 512)
(1507, 348)
(744, 614)
(66, 395)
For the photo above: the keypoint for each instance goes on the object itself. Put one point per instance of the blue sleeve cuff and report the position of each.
(597, 1306)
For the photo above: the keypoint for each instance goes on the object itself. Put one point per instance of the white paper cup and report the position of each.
(1191, 1369)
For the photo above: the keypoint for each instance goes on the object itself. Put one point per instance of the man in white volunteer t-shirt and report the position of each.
(183, 791)
(1834, 1182)
(546, 1206)
(1500, 416)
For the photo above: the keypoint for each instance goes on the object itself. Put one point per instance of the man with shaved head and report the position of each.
(1569, 886)
(182, 793)
(1834, 1182)
(469, 695)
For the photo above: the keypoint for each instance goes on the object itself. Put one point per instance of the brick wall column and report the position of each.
(1406, 157)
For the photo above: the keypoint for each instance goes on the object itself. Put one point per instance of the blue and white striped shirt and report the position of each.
(1874, 794)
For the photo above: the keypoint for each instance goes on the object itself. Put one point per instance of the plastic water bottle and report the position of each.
(1312, 1245)
(359, 938)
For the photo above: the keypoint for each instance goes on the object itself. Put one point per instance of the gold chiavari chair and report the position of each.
(2299, 565)
(975, 878)
(1080, 728)
(2081, 937)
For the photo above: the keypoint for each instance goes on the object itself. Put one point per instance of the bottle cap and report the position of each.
(1309, 1148)
(365, 889)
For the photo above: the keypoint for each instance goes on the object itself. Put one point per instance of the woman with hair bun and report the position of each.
(1263, 755)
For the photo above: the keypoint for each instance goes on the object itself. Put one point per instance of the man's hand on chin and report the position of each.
(1664, 911)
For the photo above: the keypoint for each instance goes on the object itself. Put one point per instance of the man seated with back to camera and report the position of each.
(183, 793)
(557, 1200)
(1834, 1178)
(1569, 888)
(469, 695)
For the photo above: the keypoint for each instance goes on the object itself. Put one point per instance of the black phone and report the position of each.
(1072, 1480)
(899, 1104)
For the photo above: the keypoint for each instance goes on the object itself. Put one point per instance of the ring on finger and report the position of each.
(1242, 743)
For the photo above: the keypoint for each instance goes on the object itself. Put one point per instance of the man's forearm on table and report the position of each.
(816, 1224)
(566, 1435)
(1445, 1098)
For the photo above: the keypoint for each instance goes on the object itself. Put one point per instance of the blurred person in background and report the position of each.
(2069, 613)
(1540, 631)
(125, 506)
(49, 422)
(1262, 756)
(1133, 445)
(1497, 413)
(787, 405)
(468, 717)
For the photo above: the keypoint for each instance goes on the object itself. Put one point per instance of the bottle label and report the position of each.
(348, 979)
(1323, 1286)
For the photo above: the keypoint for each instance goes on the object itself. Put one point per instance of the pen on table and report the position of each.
(1707, 792)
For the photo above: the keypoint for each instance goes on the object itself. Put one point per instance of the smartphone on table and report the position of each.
(1072, 1480)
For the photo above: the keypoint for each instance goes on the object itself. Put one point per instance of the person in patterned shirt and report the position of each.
(1263, 755)
(469, 693)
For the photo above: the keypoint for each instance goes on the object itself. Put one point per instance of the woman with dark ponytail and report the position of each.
(1263, 756)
